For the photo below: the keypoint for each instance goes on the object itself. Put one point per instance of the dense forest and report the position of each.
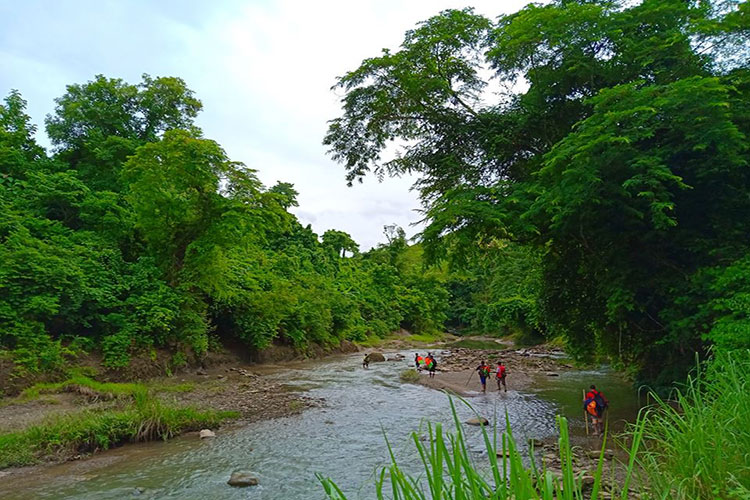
(598, 148)
(582, 164)
(138, 233)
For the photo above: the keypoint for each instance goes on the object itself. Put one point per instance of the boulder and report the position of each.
(206, 433)
(478, 421)
(553, 374)
(241, 478)
(536, 443)
(376, 357)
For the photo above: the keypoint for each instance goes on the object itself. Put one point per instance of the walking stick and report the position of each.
(585, 413)
(471, 375)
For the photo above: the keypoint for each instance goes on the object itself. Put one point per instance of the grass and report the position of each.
(449, 471)
(478, 344)
(374, 341)
(409, 376)
(139, 417)
(184, 387)
(85, 386)
(425, 338)
(698, 444)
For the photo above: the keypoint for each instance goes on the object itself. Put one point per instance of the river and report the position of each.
(342, 439)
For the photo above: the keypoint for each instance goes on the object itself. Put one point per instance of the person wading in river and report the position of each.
(366, 361)
(500, 376)
(418, 360)
(432, 364)
(484, 371)
(596, 405)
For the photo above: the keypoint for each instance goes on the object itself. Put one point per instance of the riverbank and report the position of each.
(79, 417)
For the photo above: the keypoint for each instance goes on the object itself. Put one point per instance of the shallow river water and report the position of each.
(343, 439)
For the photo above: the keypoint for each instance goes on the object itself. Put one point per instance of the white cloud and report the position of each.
(262, 69)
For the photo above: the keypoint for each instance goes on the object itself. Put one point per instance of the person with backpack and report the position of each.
(432, 364)
(418, 360)
(595, 404)
(484, 371)
(500, 375)
(366, 361)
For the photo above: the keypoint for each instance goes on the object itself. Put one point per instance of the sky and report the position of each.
(263, 70)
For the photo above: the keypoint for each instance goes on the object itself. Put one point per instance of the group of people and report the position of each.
(425, 362)
(484, 371)
(594, 402)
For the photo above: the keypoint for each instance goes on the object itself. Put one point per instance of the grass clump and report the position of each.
(409, 376)
(138, 417)
(698, 444)
(85, 386)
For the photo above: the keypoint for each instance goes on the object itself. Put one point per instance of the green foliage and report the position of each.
(409, 376)
(696, 444)
(138, 233)
(469, 343)
(88, 431)
(619, 168)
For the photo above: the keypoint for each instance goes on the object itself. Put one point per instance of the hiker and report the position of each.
(418, 361)
(484, 371)
(500, 376)
(432, 364)
(366, 361)
(595, 404)
(427, 362)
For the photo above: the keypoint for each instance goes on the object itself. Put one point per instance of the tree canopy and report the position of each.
(138, 233)
(608, 137)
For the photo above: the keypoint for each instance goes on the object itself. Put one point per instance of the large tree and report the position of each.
(610, 135)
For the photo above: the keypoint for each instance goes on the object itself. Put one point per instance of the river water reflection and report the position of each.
(344, 439)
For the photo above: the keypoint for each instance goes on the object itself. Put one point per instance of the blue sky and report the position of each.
(262, 69)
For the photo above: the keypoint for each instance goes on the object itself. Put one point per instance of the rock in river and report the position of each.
(376, 357)
(205, 433)
(478, 421)
(241, 478)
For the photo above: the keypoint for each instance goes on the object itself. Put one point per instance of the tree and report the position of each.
(340, 242)
(97, 125)
(622, 158)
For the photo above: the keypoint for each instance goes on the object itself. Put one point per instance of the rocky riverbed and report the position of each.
(456, 367)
